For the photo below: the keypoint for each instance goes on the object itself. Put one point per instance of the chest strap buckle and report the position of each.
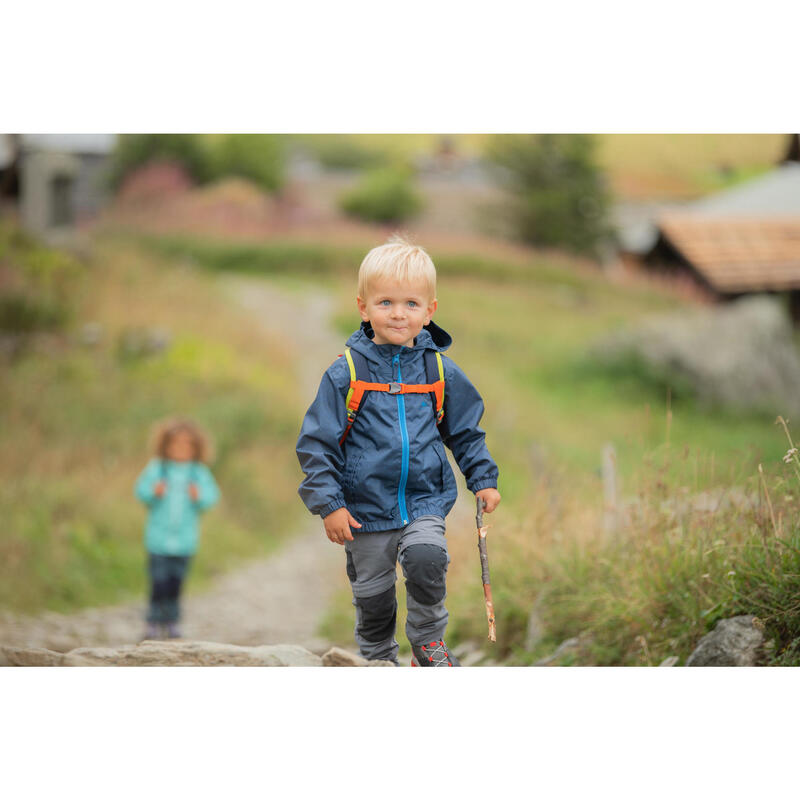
(395, 388)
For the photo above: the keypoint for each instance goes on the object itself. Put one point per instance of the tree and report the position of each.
(558, 196)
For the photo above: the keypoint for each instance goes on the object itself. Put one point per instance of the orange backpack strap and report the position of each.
(355, 394)
(359, 370)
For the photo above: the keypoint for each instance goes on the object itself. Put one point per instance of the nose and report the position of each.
(398, 311)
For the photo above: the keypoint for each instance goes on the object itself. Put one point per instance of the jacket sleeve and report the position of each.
(463, 409)
(146, 483)
(207, 489)
(318, 451)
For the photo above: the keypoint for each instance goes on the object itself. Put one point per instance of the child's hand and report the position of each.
(193, 493)
(491, 497)
(161, 487)
(337, 525)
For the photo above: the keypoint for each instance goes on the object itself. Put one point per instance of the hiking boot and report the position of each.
(173, 631)
(433, 654)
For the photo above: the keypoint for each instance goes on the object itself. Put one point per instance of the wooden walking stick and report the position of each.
(487, 589)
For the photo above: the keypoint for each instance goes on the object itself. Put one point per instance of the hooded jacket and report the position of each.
(392, 467)
(172, 523)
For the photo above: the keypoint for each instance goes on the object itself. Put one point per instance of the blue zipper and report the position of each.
(401, 412)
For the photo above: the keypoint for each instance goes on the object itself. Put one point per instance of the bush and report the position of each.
(38, 284)
(558, 195)
(259, 158)
(340, 151)
(383, 195)
(135, 150)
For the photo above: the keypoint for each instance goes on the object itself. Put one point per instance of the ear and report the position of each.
(432, 306)
(362, 308)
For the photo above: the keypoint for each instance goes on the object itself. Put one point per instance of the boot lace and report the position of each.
(436, 653)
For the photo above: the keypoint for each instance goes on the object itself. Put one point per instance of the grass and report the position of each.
(75, 426)
(521, 331)
(523, 341)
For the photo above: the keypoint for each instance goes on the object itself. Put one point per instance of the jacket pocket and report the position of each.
(351, 472)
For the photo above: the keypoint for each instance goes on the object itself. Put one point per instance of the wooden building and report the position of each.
(740, 241)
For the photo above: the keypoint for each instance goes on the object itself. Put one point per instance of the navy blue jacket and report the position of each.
(392, 467)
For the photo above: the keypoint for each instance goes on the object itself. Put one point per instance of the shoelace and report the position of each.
(438, 655)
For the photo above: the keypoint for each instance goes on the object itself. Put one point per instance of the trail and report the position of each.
(280, 599)
(277, 600)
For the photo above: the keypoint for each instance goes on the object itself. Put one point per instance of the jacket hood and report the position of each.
(431, 337)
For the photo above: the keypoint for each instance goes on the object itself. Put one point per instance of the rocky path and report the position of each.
(272, 601)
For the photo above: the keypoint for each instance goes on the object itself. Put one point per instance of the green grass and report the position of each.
(75, 441)
(523, 341)
(75, 428)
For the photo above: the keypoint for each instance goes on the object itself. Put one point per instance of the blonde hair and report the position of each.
(398, 260)
(164, 431)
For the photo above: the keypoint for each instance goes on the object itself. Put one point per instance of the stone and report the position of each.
(186, 654)
(176, 653)
(535, 630)
(740, 355)
(571, 645)
(29, 657)
(734, 642)
(472, 658)
(337, 657)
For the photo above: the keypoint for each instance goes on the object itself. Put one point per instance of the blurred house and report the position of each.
(54, 181)
(739, 241)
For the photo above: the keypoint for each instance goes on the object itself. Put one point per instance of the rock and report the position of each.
(669, 661)
(571, 645)
(535, 630)
(739, 356)
(151, 653)
(187, 654)
(735, 642)
(473, 657)
(337, 657)
(29, 657)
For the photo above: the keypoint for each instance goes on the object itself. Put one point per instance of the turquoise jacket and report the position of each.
(172, 525)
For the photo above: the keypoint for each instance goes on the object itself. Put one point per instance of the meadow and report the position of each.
(523, 331)
(694, 538)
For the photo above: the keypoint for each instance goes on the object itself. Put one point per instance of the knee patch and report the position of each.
(425, 566)
(377, 616)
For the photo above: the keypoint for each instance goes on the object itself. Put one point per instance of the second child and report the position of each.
(176, 486)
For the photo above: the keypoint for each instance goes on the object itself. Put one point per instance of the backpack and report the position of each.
(360, 383)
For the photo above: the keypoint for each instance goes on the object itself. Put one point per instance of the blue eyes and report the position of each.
(411, 303)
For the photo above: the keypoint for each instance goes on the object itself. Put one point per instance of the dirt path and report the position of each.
(276, 600)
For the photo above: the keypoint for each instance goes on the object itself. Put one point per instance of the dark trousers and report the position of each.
(166, 579)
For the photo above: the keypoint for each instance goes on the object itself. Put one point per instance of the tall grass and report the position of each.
(75, 424)
(678, 561)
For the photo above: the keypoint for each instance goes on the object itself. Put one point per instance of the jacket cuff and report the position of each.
(486, 483)
(334, 505)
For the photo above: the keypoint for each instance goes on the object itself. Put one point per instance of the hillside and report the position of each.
(522, 327)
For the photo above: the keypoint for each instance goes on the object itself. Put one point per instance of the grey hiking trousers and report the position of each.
(372, 559)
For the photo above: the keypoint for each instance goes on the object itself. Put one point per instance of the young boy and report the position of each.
(372, 450)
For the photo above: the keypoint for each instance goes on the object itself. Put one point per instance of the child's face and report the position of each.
(397, 311)
(180, 447)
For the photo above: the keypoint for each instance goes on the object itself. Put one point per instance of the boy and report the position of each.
(372, 450)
